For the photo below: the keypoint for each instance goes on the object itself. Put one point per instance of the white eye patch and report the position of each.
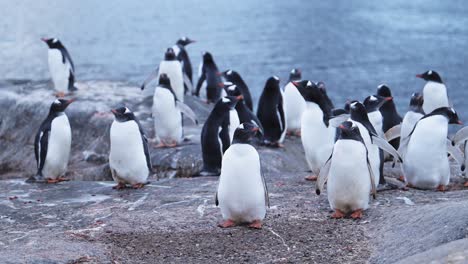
(126, 110)
(380, 86)
(429, 72)
(232, 88)
(54, 40)
(309, 83)
(353, 104)
(225, 100)
(276, 78)
(241, 126)
(56, 101)
(373, 98)
(229, 72)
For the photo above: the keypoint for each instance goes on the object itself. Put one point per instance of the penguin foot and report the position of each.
(441, 188)
(357, 214)
(138, 186)
(337, 214)
(227, 223)
(256, 224)
(59, 94)
(401, 178)
(61, 179)
(159, 145)
(466, 184)
(119, 186)
(311, 178)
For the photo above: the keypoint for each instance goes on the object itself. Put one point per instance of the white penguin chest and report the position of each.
(59, 70)
(376, 120)
(58, 148)
(173, 69)
(167, 117)
(233, 123)
(294, 105)
(435, 96)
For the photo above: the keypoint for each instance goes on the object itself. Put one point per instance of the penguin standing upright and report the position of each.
(349, 174)
(389, 112)
(294, 104)
(373, 104)
(242, 193)
(61, 67)
(234, 120)
(215, 136)
(271, 114)
(129, 158)
(167, 114)
(235, 78)
(434, 92)
(209, 77)
(426, 163)
(414, 114)
(182, 56)
(52, 144)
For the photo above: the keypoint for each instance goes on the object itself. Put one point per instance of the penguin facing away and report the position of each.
(215, 136)
(210, 78)
(294, 104)
(242, 194)
(129, 158)
(389, 112)
(52, 144)
(434, 91)
(183, 57)
(414, 114)
(271, 114)
(235, 78)
(61, 67)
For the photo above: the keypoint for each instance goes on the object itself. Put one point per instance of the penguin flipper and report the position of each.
(153, 75)
(67, 58)
(371, 174)
(384, 145)
(265, 188)
(187, 82)
(145, 146)
(201, 79)
(323, 176)
(455, 152)
(393, 132)
(216, 199)
(187, 111)
(336, 121)
(224, 135)
(71, 82)
(461, 136)
(40, 147)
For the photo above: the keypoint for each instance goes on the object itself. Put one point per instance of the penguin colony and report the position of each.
(345, 148)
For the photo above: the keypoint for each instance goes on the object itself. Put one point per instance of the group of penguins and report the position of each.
(344, 147)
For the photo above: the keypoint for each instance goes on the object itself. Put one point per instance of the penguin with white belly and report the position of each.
(235, 78)
(434, 91)
(389, 113)
(52, 144)
(129, 158)
(215, 136)
(414, 114)
(183, 57)
(242, 194)
(372, 104)
(426, 164)
(61, 67)
(348, 174)
(209, 78)
(294, 104)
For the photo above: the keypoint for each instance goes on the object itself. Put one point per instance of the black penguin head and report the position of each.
(272, 84)
(231, 76)
(358, 112)
(53, 43)
(60, 105)
(374, 102)
(449, 113)
(123, 114)
(184, 41)
(164, 80)
(384, 90)
(430, 76)
(322, 87)
(416, 103)
(207, 57)
(309, 91)
(244, 133)
(231, 89)
(349, 130)
(347, 106)
(295, 75)
(226, 103)
(169, 55)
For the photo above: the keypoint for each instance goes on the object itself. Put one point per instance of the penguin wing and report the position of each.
(201, 79)
(71, 81)
(265, 188)
(187, 81)
(384, 145)
(187, 111)
(41, 144)
(153, 75)
(336, 121)
(371, 174)
(393, 133)
(224, 134)
(67, 58)
(456, 153)
(461, 136)
(145, 146)
(281, 113)
(323, 176)
(216, 199)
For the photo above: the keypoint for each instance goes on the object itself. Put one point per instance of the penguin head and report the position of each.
(207, 57)
(226, 103)
(59, 105)
(170, 54)
(349, 130)
(184, 41)
(295, 75)
(272, 85)
(430, 76)
(123, 114)
(374, 102)
(232, 89)
(416, 102)
(449, 113)
(53, 43)
(347, 106)
(231, 76)
(245, 132)
(384, 90)
(309, 91)
(358, 112)
(164, 80)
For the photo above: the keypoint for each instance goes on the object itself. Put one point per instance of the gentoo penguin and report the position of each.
(182, 56)
(61, 67)
(234, 119)
(372, 104)
(425, 163)
(235, 78)
(389, 112)
(173, 69)
(434, 92)
(52, 144)
(242, 194)
(294, 104)
(270, 112)
(167, 114)
(411, 118)
(215, 136)
(209, 77)
(323, 89)
(317, 135)
(349, 174)
(129, 158)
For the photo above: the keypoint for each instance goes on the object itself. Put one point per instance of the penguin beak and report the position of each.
(255, 129)
(341, 127)
(459, 122)
(70, 101)
(296, 83)
(221, 85)
(44, 39)
(419, 76)
(219, 73)
(114, 111)
(192, 41)
(388, 98)
(240, 97)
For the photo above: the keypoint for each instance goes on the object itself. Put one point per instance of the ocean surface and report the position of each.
(352, 46)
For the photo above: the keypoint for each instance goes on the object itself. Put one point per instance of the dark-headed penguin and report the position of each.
(373, 103)
(270, 112)
(183, 57)
(294, 104)
(129, 158)
(242, 194)
(389, 112)
(235, 78)
(209, 77)
(61, 67)
(411, 117)
(348, 174)
(215, 136)
(52, 144)
(434, 92)
(167, 114)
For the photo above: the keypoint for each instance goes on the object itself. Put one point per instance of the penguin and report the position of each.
(426, 164)
(389, 112)
(235, 78)
(414, 114)
(242, 193)
(234, 119)
(52, 144)
(323, 90)
(317, 135)
(348, 173)
(373, 104)
(182, 56)
(270, 112)
(129, 158)
(209, 77)
(215, 136)
(294, 104)
(61, 67)
(173, 69)
(167, 114)
(434, 91)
